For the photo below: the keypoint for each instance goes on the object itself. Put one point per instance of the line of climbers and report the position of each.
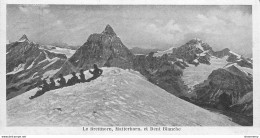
(72, 81)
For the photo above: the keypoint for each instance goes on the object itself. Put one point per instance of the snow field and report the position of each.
(117, 98)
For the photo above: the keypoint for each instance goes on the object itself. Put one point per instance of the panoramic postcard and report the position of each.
(129, 65)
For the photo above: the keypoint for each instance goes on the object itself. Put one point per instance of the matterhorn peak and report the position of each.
(23, 38)
(109, 30)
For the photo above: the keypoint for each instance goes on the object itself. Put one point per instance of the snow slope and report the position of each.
(54, 49)
(117, 98)
(160, 53)
(67, 52)
(243, 69)
(237, 55)
(193, 75)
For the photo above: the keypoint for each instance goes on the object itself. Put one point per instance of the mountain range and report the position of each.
(193, 72)
(27, 64)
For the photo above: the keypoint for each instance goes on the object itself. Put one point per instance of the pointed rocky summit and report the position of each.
(109, 31)
(23, 38)
(104, 49)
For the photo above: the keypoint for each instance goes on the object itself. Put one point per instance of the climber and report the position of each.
(82, 76)
(73, 80)
(96, 73)
(62, 81)
(45, 87)
(52, 84)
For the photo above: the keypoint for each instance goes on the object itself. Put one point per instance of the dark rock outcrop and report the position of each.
(163, 71)
(105, 49)
(230, 80)
(222, 53)
(244, 105)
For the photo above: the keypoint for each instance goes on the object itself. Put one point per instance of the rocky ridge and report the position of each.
(26, 64)
(162, 68)
(104, 49)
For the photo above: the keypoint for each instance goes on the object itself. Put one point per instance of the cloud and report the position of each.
(34, 9)
(23, 9)
(77, 28)
(213, 26)
(223, 28)
(144, 26)
(166, 33)
(58, 22)
(240, 19)
(207, 24)
(172, 27)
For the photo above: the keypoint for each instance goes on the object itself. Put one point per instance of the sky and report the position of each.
(145, 26)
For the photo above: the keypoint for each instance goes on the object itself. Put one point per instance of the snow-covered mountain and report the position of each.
(185, 71)
(193, 52)
(26, 64)
(193, 71)
(198, 52)
(118, 98)
(196, 59)
(52, 48)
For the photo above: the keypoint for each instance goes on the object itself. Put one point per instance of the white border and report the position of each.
(185, 130)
